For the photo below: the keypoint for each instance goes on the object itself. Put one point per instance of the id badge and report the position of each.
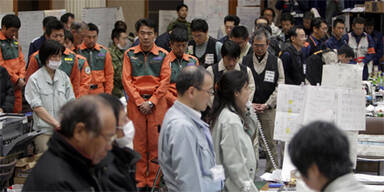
(269, 76)
(190, 49)
(209, 59)
(217, 173)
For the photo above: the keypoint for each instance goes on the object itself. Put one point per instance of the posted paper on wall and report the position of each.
(342, 76)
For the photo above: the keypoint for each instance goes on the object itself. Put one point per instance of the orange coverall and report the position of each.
(146, 77)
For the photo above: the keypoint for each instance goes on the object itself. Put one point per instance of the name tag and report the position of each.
(269, 76)
(217, 173)
(209, 58)
(190, 50)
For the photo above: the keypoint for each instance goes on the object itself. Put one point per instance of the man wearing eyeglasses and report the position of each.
(186, 153)
(87, 130)
(268, 73)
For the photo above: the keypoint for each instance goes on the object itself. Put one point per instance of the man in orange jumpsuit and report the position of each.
(76, 69)
(145, 79)
(178, 59)
(11, 57)
(99, 60)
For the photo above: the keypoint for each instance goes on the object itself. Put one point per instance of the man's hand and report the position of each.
(20, 83)
(1, 110)
(145, 108)
(259, 108)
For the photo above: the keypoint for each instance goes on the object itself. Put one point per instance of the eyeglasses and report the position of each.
(209, 91)
(109, 139)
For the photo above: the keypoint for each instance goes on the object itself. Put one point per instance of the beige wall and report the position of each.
(132, 10)
(58, 4)
(6, 6)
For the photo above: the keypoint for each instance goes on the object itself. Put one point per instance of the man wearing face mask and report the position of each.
(76, 67)
(178, 59)
(117, 48)
(117, 169)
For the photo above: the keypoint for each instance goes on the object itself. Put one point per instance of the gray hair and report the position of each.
(260, 34)
(78, 26)
(85, 110)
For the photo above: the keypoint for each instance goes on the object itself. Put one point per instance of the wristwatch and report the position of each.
(150, 104)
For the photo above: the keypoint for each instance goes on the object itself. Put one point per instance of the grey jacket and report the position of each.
(186, 152)
(345, 183)
(235, 151)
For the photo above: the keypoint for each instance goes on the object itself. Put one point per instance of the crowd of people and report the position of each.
(194, 102)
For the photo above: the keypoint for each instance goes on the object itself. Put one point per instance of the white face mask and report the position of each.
(127, 45)
(129, 133)
(54, 64)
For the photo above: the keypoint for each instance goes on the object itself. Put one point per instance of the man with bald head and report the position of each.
(186, 153)
(86, 134)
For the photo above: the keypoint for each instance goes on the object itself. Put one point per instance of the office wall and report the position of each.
(132, 10)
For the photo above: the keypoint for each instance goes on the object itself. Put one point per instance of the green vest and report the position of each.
(95, 58)
(177, 66)
(67, 63)
(146, 67)
(9, 49)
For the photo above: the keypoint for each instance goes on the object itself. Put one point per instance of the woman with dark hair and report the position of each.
(117, 170)
(232, 135)
(47, 90)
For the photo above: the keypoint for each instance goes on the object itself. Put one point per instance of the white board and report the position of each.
(213, 11)
(104, 19)
(342, 75)
(247, 16)
(165, 17)
(32, 26)
(242, 3)
(301, 105)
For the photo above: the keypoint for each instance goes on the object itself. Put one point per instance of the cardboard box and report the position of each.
(374, 6)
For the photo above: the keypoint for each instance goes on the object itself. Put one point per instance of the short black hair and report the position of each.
(270, 9)
(93, 27)
(190, 76)
(115, 103)
(292, 32)
(116, 33)
(53, 25)
(322, 144)
(316, 23)
(370, 22)
(261, 17)
(10, 20)
(64, 18)
(347, 50)
(83, 110)
(358, 20)
(49, 48)
(239, 31)
(179, 35)
(68, 36)
(145, 22)
(48, 19)
(179, 6)
(287, 17)
(199, 25)
(235, 19)
(338, 20)
(308, 15)
(230, 49)
(121, 24)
